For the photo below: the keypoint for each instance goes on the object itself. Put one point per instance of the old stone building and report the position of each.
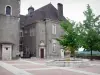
(39, 30)
(9, 29)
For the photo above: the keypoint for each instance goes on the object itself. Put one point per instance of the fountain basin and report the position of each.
(71, 63)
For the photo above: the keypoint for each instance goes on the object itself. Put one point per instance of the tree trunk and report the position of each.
(91, 56)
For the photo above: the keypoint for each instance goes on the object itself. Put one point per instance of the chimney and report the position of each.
(30, 11)
(60, 11)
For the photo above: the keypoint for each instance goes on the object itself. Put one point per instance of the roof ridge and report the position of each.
(45, 6)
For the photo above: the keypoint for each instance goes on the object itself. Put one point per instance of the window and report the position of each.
(21, 33)
(8, 10)
(21, 45)
(21, 42)
(18, 1)
(32, 32)
(6, 48)
(25, 31)
(54, 45)
(54, 29)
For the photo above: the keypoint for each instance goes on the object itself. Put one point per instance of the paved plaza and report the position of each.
(36, 66)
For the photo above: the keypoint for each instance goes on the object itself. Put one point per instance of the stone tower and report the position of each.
(9, 29)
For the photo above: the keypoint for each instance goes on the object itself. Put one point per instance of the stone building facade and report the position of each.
(39, 30)
(9, 29)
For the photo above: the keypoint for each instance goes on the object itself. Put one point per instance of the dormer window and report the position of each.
(8, 10)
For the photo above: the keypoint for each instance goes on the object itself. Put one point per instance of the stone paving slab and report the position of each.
(95, 61)
(30, 66)
(66, 68)
(38, 67)
(38, 60)
(94, 69)
(15, 62)
(14, 70)
(5, 72)
(54, 72)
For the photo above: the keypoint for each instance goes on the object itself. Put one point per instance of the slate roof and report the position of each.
(46, 12)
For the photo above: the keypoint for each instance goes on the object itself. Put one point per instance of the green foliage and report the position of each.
(70, 37)
(86, 35)
(91, 31)
(91, 28)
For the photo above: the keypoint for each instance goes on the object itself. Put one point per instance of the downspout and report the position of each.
(45, 38)
(44, 19)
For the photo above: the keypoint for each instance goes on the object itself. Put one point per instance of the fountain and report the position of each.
(68, 62)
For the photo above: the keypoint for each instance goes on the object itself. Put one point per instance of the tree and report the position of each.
(91, 31)
(70, 38)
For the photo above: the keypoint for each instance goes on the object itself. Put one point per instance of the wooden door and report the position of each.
(42, 53)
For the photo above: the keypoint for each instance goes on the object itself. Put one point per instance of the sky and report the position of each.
(73, 9)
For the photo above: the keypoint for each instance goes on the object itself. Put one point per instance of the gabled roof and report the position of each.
(46, 12)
